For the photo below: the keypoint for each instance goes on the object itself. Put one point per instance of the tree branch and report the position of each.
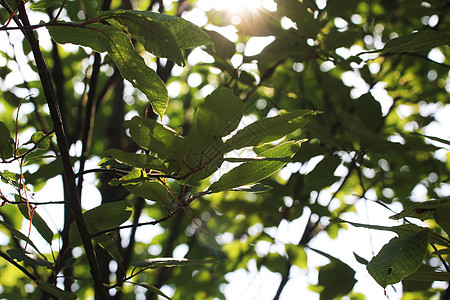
(61, 137)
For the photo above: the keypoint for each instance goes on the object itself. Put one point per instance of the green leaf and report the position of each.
(38, 223)
(337, 278)
(399, 258)
(134, 69)
(136, 176)
(29, 258)
(108, 163)
(429, 276)
(187, 35)
(151, 190)
(267, 130)
(251, 172)
(220, 46)
(156, 137)
(110, 246)
(442, 217)
(152, 289)
(288, 44)
(419, 41)
(167, 262)
(219, 114)
(247, 78)
(41, 141)
(433, 138)
(297, 255)
(340, 8)
(55, 291)
(154, 36)
(298, 12)
(323, 173)
(445, 251)
(275, 262)
(424, 210)
(256, 188)
(131, 65)
(360, 259)
(109, 215)
(6, 149)
(103, 217)
(335, 39)
(92, 36)
(44, 173)
(19, 234)
(400, 230)
(44, 4)
(143, 161)
(369, 111)
(201, 159)
(247, 159)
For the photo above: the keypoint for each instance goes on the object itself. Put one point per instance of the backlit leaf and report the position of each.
(202, 158)
(167, 262)
(369, 111)
(187, 35)
(29, 258)
(44, 4)
(110, 246)
(151, 190)
(131, 65)
(429, 276)
(251, 172)
(103, 217)
(298, 12)
(399, 258)
(155, 37)
(156, 137)
(41, 141)
(142, 160)
(219, 114)
(442, 217)
(152, 289)
(424, 210)
(109, 215)
(55, 291)
(38, 223)
(267, 130)
(400, 230)
(256, 188)
(418, 41)
(297, 255)
(136, 176)
(220, 46)
(337, 278)
(18, 234)
(6, 149)
(437, 139)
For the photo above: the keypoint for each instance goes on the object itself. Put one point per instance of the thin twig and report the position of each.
(167, 217)
(5, 200)
(59, 12)
(122, 172)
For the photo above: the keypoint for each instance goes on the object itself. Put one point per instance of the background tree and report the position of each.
(363, 81)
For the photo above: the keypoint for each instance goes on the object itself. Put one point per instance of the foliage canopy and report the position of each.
(175, 141)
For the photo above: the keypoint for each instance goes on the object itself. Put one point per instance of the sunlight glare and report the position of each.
(233, 6)
(239, 5)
